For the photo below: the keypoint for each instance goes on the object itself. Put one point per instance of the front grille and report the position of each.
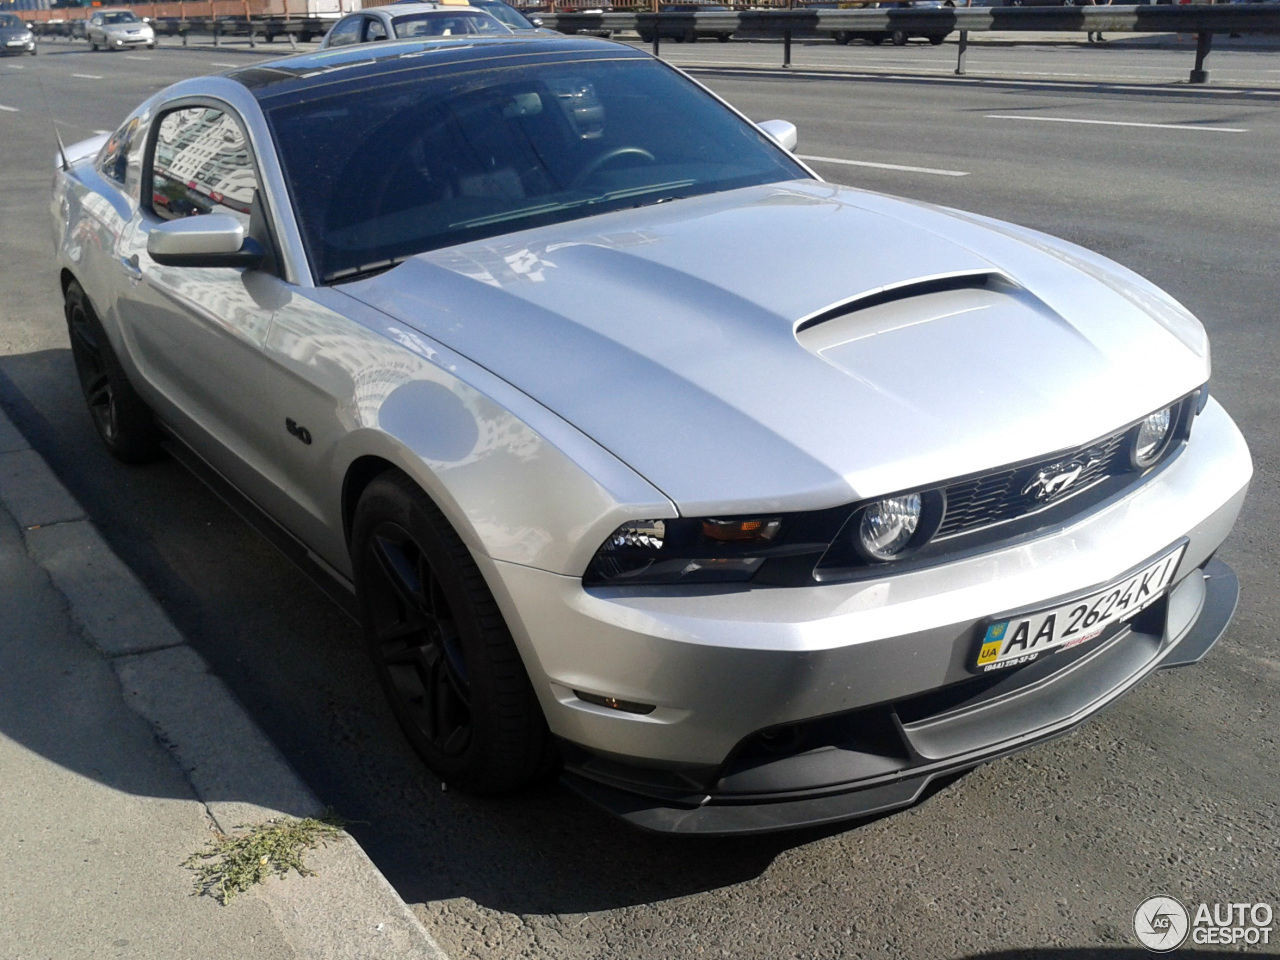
(998, 497)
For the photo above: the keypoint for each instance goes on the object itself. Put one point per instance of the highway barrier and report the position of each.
(264, 19)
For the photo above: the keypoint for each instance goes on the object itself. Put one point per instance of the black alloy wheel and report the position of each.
(416, 642)
(440, 647)
(123, 421)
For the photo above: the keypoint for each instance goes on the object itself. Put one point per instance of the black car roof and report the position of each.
(368, 62)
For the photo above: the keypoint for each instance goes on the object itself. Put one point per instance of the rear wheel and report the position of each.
(440, 646)
(899, 38)
(123, 421)
(937, 41)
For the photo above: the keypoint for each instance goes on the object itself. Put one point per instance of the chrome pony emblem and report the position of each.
(1054, 480)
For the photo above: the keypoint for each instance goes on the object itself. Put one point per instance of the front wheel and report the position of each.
(937, 41)
(123, 421)
(899, 38)
(440, 646)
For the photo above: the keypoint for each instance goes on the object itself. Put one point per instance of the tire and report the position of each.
(440, 647)
(123, 421)
(93, 44)
(937, 41)
(841, 37)
(899, 38)
(724, 37)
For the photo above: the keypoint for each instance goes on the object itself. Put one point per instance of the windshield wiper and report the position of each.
(363, 271)
(610, 197)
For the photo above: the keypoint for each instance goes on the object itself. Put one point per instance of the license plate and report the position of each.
(1021, 639)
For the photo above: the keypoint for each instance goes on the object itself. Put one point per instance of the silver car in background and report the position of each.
(408, 21)
(15, 36)
(118, 30)
(733, 542)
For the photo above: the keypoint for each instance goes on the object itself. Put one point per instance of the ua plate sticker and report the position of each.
(1019, 640)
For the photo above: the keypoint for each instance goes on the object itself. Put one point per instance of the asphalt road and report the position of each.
(1174, 790)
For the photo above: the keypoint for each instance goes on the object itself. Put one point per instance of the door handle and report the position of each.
(131, 268)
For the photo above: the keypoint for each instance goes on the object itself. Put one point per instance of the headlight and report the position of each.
(684, 550)
(1152, 438)
(888, 525)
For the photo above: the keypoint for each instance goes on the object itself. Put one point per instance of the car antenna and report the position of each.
(62, 148)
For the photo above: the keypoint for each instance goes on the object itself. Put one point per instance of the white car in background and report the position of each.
(409, 21)
(117, 30)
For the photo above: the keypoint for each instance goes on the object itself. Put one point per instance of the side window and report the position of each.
(113, 162)
(201, 164)
(345, 32)
(373, 29)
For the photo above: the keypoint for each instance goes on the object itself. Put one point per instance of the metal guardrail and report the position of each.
(1202, 20)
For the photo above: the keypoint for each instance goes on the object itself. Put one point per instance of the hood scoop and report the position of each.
(981, 280)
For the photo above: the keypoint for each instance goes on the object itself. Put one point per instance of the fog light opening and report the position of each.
(613, 703)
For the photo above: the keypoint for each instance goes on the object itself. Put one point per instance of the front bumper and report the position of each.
(17, 47)
(840, 780)
(875, 675)
(121, 41)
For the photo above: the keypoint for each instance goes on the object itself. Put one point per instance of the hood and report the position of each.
(801, 345)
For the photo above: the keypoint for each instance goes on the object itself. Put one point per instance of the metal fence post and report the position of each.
(964, 48)
(786, 48)
(1204, 39)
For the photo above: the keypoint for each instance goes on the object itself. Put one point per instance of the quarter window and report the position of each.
(201, 165)
(374, 30)
(347, 31)
(113, 162)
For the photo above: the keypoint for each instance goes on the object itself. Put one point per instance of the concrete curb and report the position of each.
(348, 910)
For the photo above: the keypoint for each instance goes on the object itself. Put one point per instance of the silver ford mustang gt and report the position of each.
(741, 499)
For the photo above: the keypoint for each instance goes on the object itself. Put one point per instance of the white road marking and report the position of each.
(143, 59)
(218, 63)
(87, 76)
(1119, 123)
(15, 66)
(101, 132)
(9, 109)
(886, 166)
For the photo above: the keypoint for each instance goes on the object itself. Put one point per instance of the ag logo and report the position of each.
(1161, 924)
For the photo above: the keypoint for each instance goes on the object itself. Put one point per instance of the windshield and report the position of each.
(123, 16)
(447, 24)
(512, 17)
(381, 172)
(9, 22)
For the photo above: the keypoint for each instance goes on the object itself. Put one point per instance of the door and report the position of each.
(196, 334)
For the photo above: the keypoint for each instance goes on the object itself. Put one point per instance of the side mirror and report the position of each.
(209, 240)
(536, 21)
(781, 132)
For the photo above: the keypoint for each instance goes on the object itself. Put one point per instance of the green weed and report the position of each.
(232, 864)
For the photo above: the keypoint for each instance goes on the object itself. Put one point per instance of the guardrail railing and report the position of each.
(268, 19)
(1202, 20)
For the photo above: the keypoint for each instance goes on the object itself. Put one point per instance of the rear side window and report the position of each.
(345, 32)
(201, 164)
